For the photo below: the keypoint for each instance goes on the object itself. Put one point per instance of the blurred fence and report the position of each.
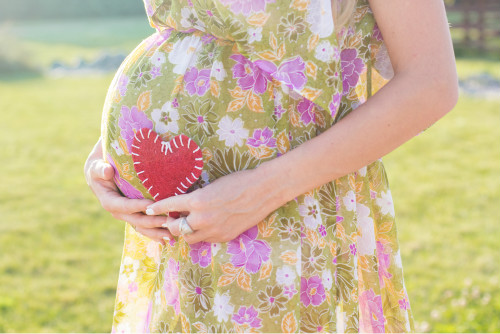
(476, 24)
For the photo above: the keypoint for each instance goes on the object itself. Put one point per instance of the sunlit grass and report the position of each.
(60, 252)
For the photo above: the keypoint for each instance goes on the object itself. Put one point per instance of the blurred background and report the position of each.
(60, 251)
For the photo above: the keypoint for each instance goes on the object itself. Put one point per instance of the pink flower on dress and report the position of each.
(312, 291)
(132, 287)
(147, 318)
(372, 313)
(155, 72)
(352, 66)
(208, 38)
(171, 285)
(197, 82)
(132, 120)
(201, 252)
(250, 75)
(403, 304)
(322, 230)
(247, 6)
(384, 261)
(262, 137)
(306, 110)
(248, 315)
(377, 34)
(122, 84)
(353, 248)
(335, 104)
(278, 111)
(290, 290)
(248, 252)
(291, 72)
(126, 188)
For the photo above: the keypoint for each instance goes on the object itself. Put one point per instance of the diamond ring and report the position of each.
(184, 227)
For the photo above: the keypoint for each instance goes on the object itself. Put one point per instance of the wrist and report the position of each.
(274, 181)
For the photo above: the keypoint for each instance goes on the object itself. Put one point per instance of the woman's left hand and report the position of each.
(224, 209)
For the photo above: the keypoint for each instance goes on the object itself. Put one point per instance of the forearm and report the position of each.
(399, 111)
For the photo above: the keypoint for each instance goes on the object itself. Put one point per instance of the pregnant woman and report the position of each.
(292, 103)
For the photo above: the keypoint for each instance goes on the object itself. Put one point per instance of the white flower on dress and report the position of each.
(158, 297)
(190, 19)
(129, 268)
(327, 279)
(366, 243)
(232, 132)
(397, 259)
(311, 212)
(298, 264)
(383, 63)
(153, 250)
(222, 308)
(183, 54)
(117, 147)
(362, 171)
(285, 275)
(216, 246)
(320, 18)
(205, 180)
(218, 70)
(385, 203)
(123, 328)
(324, 52)
(255, 34)
(350, 200)
(158, 58)
(166, 119)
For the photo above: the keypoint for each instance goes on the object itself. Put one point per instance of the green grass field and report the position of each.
(60, 252)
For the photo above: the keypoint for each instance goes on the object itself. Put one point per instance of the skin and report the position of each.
(424, 88)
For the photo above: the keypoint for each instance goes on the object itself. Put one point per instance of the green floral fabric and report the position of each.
(249, 81)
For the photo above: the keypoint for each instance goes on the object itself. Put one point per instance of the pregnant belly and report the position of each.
(176, 83)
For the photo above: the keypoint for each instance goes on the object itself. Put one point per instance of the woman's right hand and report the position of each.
(99, 175)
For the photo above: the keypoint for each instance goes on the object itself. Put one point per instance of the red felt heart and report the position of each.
(166, 168)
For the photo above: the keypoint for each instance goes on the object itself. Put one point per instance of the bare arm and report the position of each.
(423, 89)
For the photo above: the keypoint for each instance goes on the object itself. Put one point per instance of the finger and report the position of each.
(196, 236)
(101, 169)
(160, 235)
(143, 221)
(171, 204)
(173, 226)
(113, 202)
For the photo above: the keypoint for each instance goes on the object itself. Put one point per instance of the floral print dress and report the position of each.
(249, 81)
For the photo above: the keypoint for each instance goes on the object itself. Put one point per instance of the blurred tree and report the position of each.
(54, 9)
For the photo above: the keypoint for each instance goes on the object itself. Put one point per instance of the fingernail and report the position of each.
(166, 238)
(149, 211)
(165, 225)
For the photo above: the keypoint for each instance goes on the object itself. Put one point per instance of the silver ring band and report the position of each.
(184, 227)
